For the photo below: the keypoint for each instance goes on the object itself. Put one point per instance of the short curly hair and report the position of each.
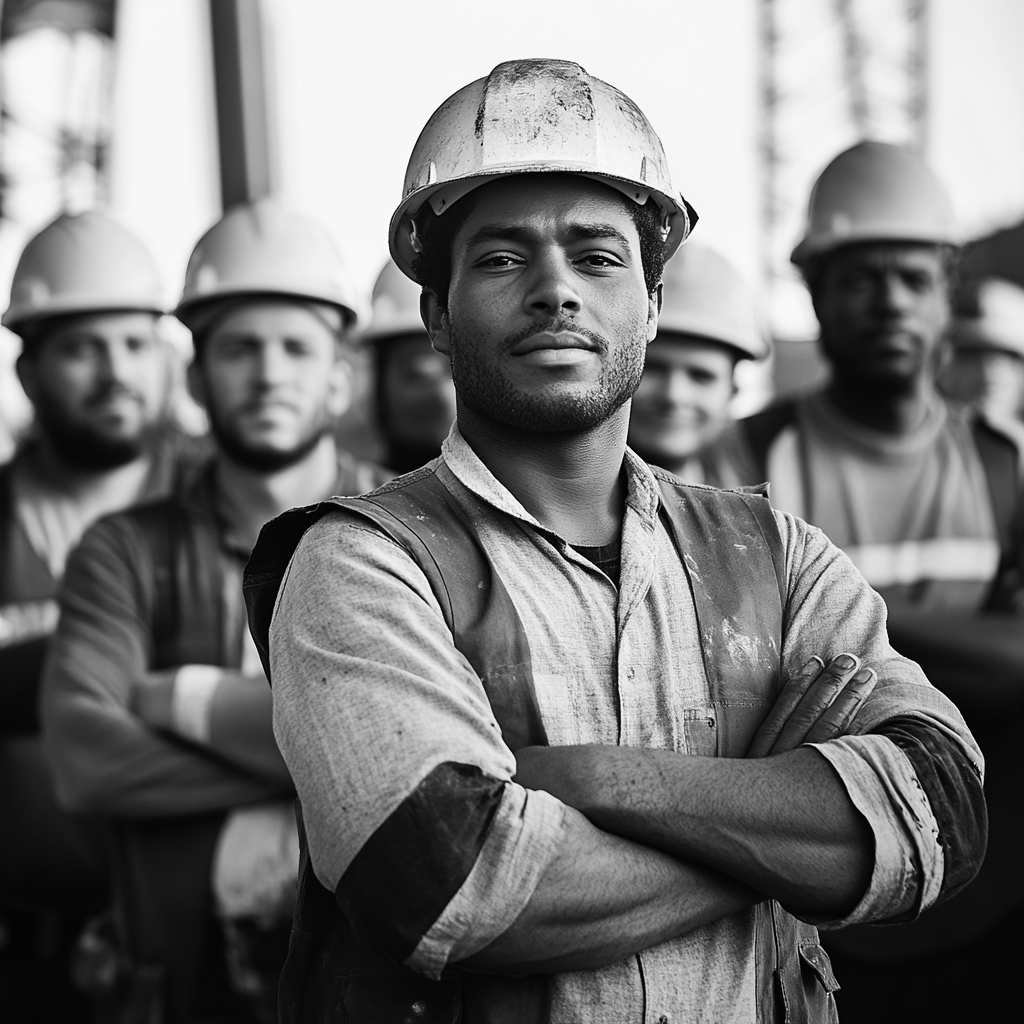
(433, 264)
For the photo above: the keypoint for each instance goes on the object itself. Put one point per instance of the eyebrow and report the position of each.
(576, 233)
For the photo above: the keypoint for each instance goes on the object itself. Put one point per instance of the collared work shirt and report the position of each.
(371, 695)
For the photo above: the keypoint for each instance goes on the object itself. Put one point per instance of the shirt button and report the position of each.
(630, 673)
(664, 1019)
(711, 723)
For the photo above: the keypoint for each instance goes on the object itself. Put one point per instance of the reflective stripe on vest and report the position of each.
(937, 558)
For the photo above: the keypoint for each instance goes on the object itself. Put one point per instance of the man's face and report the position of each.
(417, 394)
(99, 383)
(883, 308)
(548, 313)
(683, 400)
(990, 379)
(272, 381)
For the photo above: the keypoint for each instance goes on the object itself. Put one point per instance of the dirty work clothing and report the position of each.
(394, 703)
(914, 512)
(148, 591)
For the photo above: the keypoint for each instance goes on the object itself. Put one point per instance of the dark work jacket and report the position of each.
(332, 973)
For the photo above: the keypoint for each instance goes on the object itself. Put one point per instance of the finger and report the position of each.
(815, 701)
(789, 697)
(836, 720)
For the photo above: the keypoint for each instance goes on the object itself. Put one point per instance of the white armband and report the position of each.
(194, 686)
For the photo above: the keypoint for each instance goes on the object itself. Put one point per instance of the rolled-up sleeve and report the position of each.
(406, 785)
(909, 764)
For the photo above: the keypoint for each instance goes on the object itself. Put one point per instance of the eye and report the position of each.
(598, 260)
(499, 261)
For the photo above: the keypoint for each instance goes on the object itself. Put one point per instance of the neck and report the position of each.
(248, 498)
(570, 483)
(889, 413)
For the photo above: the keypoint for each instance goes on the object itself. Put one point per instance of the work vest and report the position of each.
(730, 550)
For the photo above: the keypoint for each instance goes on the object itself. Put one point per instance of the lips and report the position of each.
(553, 340)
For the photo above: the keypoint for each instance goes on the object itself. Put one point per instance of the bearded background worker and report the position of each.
(516, 717)
(85, 301)
(925, 499)
(415, 399)
(156, 710)
(681, 411)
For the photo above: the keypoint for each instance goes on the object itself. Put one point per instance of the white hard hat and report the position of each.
(999, 323)
(263, 248)
(81, 263)
(395, 305)
(875, 192)
(705, 296)
(530, 116)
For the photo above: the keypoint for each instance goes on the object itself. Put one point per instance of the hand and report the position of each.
(152, 700)
(816, 705)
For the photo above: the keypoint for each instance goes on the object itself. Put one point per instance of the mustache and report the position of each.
(555, 325)
(112, 389)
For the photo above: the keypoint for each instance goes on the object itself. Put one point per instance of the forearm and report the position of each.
(603, 898)
(782, 825)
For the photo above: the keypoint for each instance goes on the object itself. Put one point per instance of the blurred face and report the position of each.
(987, 378)
(882, 309)
(99, 384)
(272, 381)
(417, 394)
(683, 400)
(548, 313)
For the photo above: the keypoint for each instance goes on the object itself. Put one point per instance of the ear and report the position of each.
(28, 375)
(654, 304)
(195, 382)
(340, 387)
(435, 320)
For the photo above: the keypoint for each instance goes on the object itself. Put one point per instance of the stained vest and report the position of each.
(721, 538)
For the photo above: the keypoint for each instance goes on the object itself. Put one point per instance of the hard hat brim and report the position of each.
(810, 249)
(16, 317)
(189, 312)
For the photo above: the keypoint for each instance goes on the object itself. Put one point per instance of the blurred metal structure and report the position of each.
(832, 73)
(56, 100)
(243, 124)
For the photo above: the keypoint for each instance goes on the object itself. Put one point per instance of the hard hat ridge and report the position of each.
(535, 116)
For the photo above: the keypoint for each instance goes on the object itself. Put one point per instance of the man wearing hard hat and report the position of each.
(415, 399)
(680, 412)
(156, 710)
(85, 301)
(492, 676)
(924, 499)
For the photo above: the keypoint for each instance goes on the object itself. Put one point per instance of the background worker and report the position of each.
(506, 664)
(986, 362)
(925, 500)
(85, 301)
(156, 710)
(681, 409)
(415, 398)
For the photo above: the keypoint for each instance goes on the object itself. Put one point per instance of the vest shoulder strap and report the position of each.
(759, 432)
(1000, 459)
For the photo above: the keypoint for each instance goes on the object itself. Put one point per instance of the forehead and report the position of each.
(270, 317)
(101, 324)
(888, 256)
(546, 205)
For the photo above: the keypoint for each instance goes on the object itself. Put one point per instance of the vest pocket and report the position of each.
(819, 983)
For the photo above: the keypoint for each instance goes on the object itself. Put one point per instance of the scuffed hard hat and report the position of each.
(395, 306)
(991, 318)
(705, 296)
(875, 192)
(534, 116)
(83, 263)
(263, 248)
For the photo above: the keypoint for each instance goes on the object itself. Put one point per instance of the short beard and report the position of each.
(260, 458)
(79, 446)
(491, 396)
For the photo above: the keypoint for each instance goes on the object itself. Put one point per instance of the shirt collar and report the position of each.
(643, 495)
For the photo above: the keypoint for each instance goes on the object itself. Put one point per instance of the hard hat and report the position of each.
(531, 116)
(81, 263)
(704, 295)
(263, 248)
(875, 192)
(996, 321)
(396, 306)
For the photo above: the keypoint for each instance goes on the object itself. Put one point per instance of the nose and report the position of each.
(116, 360)
(552, 289)
(677, 387)
(272, 363)
(893, 295)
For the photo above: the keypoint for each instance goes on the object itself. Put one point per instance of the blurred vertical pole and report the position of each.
(243, 130)
(917, 72)
(768, 142)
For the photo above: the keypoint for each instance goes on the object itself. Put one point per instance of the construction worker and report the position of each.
(680, 411)
(490, 676)
(924, 498)
(415, 399)
(156, 710)
(85, 301)
(986, 363)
